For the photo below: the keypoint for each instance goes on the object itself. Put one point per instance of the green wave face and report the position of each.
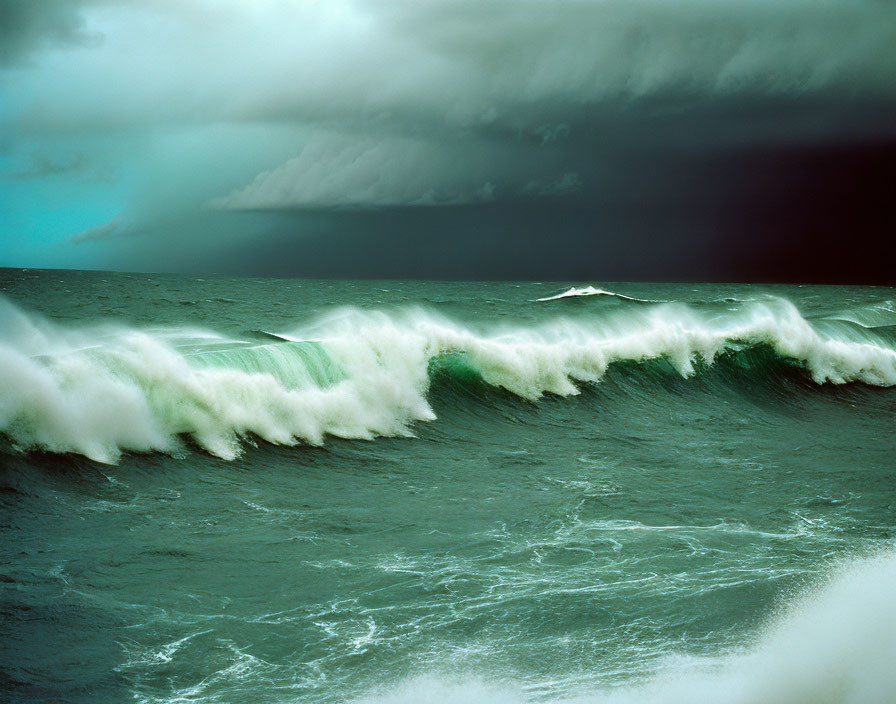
(296, 365)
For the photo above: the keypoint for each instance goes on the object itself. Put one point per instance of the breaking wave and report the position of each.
(586, 291)
(104, 390)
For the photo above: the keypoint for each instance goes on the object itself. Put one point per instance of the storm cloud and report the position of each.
(352, 172)
(27, 26)
(198, 106)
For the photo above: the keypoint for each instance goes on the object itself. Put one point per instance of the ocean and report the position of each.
(281, 490)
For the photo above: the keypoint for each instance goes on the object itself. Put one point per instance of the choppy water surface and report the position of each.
(247, 490)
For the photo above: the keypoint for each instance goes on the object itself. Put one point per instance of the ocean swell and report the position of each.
(103, 390)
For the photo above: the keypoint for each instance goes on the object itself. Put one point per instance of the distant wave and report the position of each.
(836, 645)
(591, 291)
(101, 391)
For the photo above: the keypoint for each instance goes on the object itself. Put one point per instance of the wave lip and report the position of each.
(98, 392)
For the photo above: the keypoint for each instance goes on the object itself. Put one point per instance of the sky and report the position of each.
(748, 140)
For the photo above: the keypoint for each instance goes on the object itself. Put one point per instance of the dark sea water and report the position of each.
(247, 490)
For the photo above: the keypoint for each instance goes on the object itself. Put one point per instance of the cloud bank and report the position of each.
(345, 171)
(368, 104)
(454, 63)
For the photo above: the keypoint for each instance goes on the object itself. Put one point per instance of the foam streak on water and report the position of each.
(835, 644)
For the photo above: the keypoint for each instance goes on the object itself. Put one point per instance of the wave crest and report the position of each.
(100, 391)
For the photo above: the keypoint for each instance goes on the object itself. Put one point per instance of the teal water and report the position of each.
(238, 490)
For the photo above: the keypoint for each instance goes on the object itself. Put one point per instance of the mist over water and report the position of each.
(232, 490)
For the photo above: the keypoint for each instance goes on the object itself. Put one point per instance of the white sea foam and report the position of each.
(835, 645)
(101, 391)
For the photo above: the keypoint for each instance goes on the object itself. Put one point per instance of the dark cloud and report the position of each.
(458, 64)
(29, 25)
(797, 214)
(348, 171)
(599, 128)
